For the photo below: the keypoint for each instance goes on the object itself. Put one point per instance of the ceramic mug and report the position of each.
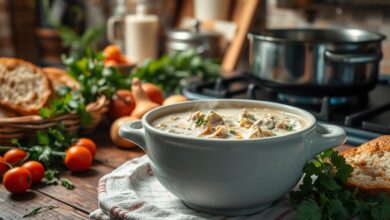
(230, 177)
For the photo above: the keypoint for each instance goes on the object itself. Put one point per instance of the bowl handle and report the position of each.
(134, 132)
(325, 136)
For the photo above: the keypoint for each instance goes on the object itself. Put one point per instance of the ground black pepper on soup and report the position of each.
(231, 123)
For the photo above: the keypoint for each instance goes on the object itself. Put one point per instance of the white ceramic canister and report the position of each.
(141, 35)
(211, 9)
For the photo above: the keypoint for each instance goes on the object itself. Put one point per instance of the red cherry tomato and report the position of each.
(36, 169)
(3, 166)
(122, 104)
(14, 156)
(154, 92)
(17, 180)
(87, 143)
(78, 158)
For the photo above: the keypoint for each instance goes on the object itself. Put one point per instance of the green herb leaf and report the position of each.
(251, 117)
(43, 138)
(200, 121)
(39, 210)
(45, 112)
(95, 80)
(309, 210)
(68, 102)
(289, 127)
(15, 142)
(329, 183)
(172, 72)
(51, 177)
(322, 194)
(67, 183)
(232, 132)
(337, 210)
(381, 208)
(344, 170)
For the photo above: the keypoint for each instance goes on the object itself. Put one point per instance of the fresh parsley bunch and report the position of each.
(68, 101)
(49, 147)
(323, 195)
(94, 78)
(170, 71)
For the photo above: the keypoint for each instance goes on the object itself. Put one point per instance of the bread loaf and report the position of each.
(371, 163)
(58, 77)
(23, 86)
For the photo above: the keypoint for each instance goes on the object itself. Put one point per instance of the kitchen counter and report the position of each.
(72, 204)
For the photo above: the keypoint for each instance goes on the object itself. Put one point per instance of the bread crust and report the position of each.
(381, 143)
(58, 77)
(23, 106)
(7, 113)
(377, 144)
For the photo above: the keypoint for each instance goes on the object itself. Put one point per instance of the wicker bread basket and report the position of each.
(24, 127)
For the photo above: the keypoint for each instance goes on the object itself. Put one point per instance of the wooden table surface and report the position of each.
(72, 204)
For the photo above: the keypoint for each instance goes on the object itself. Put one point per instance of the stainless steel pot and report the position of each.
(316, 62)
(206, 43)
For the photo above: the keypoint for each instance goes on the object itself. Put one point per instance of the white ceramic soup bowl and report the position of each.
(230, 177)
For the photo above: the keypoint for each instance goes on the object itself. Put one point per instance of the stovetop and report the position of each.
(364, 117)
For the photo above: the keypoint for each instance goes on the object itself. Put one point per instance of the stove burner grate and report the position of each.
(308, 100)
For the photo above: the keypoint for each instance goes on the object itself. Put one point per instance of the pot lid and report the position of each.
(317, 35)
(195, 34)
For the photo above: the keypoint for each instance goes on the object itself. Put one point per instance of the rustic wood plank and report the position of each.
(16, 206)
(108, 157)
(84, 196)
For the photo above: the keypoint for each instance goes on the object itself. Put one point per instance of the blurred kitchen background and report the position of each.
(27, 32)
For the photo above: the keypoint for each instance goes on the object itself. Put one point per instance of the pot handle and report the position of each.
(325, 137)
(353, 58)
(134, 132)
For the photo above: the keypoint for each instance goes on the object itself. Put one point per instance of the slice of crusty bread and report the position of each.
(23, 86)
(371, 163)
(59, 77)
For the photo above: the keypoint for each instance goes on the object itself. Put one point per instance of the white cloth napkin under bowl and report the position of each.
(132, 192)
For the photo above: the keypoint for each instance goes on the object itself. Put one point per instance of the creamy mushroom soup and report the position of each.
(231, 123)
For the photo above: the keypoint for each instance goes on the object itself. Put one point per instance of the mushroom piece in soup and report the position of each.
(231, 123)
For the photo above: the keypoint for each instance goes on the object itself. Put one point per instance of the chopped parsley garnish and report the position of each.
(289, 127)
(251, 117)
(39, 210)
(67, 183)
(200, 121)
(232, 132)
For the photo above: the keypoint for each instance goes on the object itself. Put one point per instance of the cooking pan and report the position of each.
(316, 62)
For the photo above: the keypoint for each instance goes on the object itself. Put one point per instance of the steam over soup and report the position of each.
(231, 123)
